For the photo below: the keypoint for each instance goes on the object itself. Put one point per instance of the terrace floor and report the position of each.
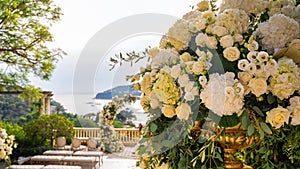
(123, 160)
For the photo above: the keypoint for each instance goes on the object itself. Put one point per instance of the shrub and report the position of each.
(46, 128)
(118, 124)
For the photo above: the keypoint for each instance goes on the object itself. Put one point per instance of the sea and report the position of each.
(82, 104)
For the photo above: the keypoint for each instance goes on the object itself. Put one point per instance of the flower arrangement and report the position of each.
(235, 64)
(110, 143)
(6, 145)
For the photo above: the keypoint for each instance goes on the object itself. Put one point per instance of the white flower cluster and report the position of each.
(223, 94)
(256, 70)
(6, 144)
(249, 6)
(295, 109)
(179, 35)
(286, 80)
(277, 32)
(236, 21)
(285, 7)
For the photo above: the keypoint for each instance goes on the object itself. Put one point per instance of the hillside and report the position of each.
(117, 91)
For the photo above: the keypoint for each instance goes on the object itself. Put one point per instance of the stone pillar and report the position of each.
(45, 103)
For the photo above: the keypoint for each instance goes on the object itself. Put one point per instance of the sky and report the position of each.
(91, 31)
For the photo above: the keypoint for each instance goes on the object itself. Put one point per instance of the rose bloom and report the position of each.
(211, 42)
(295, 44)
(277, 116)
(183, 111)
(231, 53)
(258, 86)
(296, 116)
(198, 68)
(203, 6)
(201, 39)
(226, 41)
(186, 57)
(153, 52)
(219, 30)
(168, 111)
(238, 38)
(175, 71)
(146, 84)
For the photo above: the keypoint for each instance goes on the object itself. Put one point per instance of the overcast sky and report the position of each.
(83, 29)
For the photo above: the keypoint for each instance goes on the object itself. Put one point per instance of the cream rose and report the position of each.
(183, 111)
(186, 57)
(238, 38)
(258, 86)
(169, 111)
(277, 117)
(175, 71)
(198, 68)
(203, 5)
(153, 52)
(211, 42)
(231, 53)
(295, 44)
(226, 41)
(146, 84)
(219, 30)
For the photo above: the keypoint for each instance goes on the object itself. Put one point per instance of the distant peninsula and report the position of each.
(117, 91)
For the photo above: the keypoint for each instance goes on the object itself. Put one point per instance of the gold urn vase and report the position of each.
(232, 139)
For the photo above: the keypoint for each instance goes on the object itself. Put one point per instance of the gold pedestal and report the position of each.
(231, 140)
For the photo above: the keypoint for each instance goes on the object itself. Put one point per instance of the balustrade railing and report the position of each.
(128, 136)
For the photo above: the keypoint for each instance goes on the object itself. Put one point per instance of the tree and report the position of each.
(24, 35)
(59, 108)
(46, 128)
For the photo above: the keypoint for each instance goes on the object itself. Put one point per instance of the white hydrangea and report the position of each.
(249, 6)
(216, 99)
(164, 57)
(277, 32)
(234, 20)
(179, 35)
(286, 80)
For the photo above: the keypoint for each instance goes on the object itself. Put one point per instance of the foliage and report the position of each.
(24, 34)
(46, 128)
(235, 64)
(126, 116)
(83, 122)
(12, 107)
(59, 108)
(118, 124)
(279, 150)
(110, 110)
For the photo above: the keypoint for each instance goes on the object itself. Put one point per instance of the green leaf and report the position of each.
(265, 128)
(271, 99)
(245, 119)
(153, 127)
(250, 129)
(229, 121)
(258, 111)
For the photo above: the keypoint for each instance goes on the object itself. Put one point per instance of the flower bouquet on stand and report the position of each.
(227, 65)
(6, 146)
